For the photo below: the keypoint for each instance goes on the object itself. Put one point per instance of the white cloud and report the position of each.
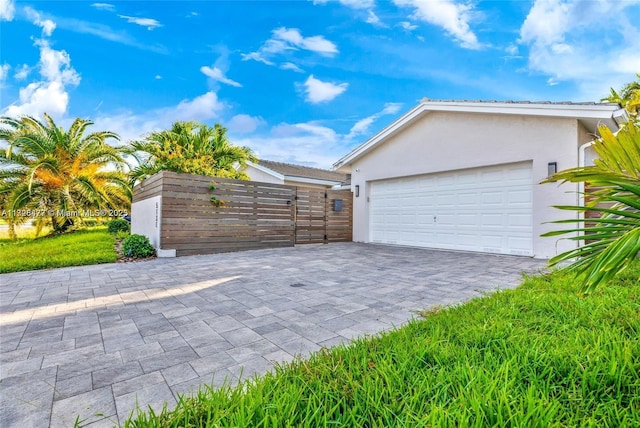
(291, 66)
(256, 56)
(107, 33)
(373, 19)
(307, 143)
(104, 6)
(203, 107)
(216, 74)
(561, 48)
(7, 10)
(361, 127)
(512, 49)
(354, 4)
(38, 98)
(318, 91)
(158, 77)
(626, 62)
(358, 4)
(562, 45)
(56, 65)
(22, 72)
(50, 94)
(244, 124)
(314, 43)
(391, 108)
(290, 39)
(451, 16)
(47, 25)
(546, 22)
(4, 72)
(132, 126)
(407, 26)
(150, 23)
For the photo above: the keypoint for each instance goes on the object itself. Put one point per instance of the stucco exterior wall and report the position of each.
(146, 217)
(443, 141)
(584, 136)
(256, 175)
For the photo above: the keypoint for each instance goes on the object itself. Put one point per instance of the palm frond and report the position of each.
(612, 241)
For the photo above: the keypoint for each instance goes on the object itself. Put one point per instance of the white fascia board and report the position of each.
(310, 180)
(266, 170)
(578, 111)
(609, 114)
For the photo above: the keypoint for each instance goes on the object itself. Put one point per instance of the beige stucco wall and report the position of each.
(256, 175)
(584, 136)
(441, 141)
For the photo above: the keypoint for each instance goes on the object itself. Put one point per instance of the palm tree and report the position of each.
(189, 147)
(53, 171)
(614, 238)
(628, 98)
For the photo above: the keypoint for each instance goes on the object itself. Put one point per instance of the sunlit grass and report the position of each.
(84, 247)
(539, 356)
(24, 231)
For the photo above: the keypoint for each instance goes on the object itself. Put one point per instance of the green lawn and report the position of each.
(538, 356)
(85, 247)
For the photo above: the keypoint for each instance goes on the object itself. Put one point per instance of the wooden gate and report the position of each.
(323, 216)
(194, 214)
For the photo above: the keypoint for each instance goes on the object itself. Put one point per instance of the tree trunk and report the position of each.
(12, 230)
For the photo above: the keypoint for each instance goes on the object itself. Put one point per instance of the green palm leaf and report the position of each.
(53, 169)
(612, 241)
(189, 147)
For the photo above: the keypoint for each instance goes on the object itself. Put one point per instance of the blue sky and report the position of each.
(303, 81)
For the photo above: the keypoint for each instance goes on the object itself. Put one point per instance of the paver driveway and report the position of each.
(91, 340)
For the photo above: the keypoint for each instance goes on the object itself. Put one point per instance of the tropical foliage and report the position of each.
(189, 147)
(52, 175)
(628, 97)
(612, 240)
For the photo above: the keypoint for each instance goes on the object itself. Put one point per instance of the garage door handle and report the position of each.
(434, 219)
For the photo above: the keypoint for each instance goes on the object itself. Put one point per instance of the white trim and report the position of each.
(610, 115)
(266, 170)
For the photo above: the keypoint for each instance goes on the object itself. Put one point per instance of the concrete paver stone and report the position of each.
(94, 342)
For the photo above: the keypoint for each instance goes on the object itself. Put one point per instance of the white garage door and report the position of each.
(485, 209)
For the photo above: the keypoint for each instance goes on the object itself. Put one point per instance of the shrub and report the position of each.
(122, 234)
(118, 225)
(137, 246)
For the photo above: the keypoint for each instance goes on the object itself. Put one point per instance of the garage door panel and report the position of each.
(519, 173)
(468, 220)
(484, 209)
(519, 220)
(488, 220)
(491, 197)
(520, 196)
(466, 178)
(492, 176)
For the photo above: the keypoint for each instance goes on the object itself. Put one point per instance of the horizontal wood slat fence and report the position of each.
(203, 215)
